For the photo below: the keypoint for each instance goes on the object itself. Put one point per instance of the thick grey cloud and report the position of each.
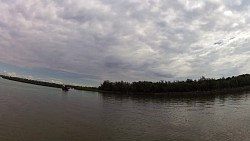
(127, 39)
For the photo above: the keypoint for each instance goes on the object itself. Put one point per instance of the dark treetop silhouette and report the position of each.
(189, 85)
(203, 84)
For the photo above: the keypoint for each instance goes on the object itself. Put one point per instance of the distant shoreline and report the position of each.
(226, 90)
(47, 84)
(186, 87)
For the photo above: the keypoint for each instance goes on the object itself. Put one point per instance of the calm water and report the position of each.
(29, 112)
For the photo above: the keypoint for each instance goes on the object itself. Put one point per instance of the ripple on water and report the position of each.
(30, 112)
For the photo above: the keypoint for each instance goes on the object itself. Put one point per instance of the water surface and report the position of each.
(30, 112)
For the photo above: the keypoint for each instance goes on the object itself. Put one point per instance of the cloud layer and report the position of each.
(127, 39)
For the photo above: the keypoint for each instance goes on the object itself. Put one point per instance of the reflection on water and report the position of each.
(29, 112)
(179, 100)
(207, 117)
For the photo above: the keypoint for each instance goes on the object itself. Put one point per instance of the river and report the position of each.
(29, 112)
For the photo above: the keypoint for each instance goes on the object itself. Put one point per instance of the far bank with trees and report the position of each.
(189, 85)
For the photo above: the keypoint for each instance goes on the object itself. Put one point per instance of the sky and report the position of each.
(88, 41)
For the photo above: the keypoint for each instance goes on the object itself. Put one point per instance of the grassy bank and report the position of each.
(47, 84)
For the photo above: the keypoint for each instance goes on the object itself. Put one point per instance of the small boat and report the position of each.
(65, 88)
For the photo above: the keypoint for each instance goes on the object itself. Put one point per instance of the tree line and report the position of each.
(189, 85)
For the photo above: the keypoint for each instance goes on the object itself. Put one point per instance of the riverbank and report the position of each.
(188, 86)
(47, 84)
(127, 88)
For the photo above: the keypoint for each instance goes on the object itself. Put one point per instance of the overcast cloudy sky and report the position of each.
(87, 41)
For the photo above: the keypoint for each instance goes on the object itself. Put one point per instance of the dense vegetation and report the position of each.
(48, 84)
(189, 85)
(203, 84)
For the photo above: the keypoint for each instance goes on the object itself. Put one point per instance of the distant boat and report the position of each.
(65, 88)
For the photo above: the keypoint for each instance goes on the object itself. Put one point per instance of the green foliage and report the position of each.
(203, 84)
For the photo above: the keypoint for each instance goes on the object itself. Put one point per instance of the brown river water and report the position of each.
(36, 113)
